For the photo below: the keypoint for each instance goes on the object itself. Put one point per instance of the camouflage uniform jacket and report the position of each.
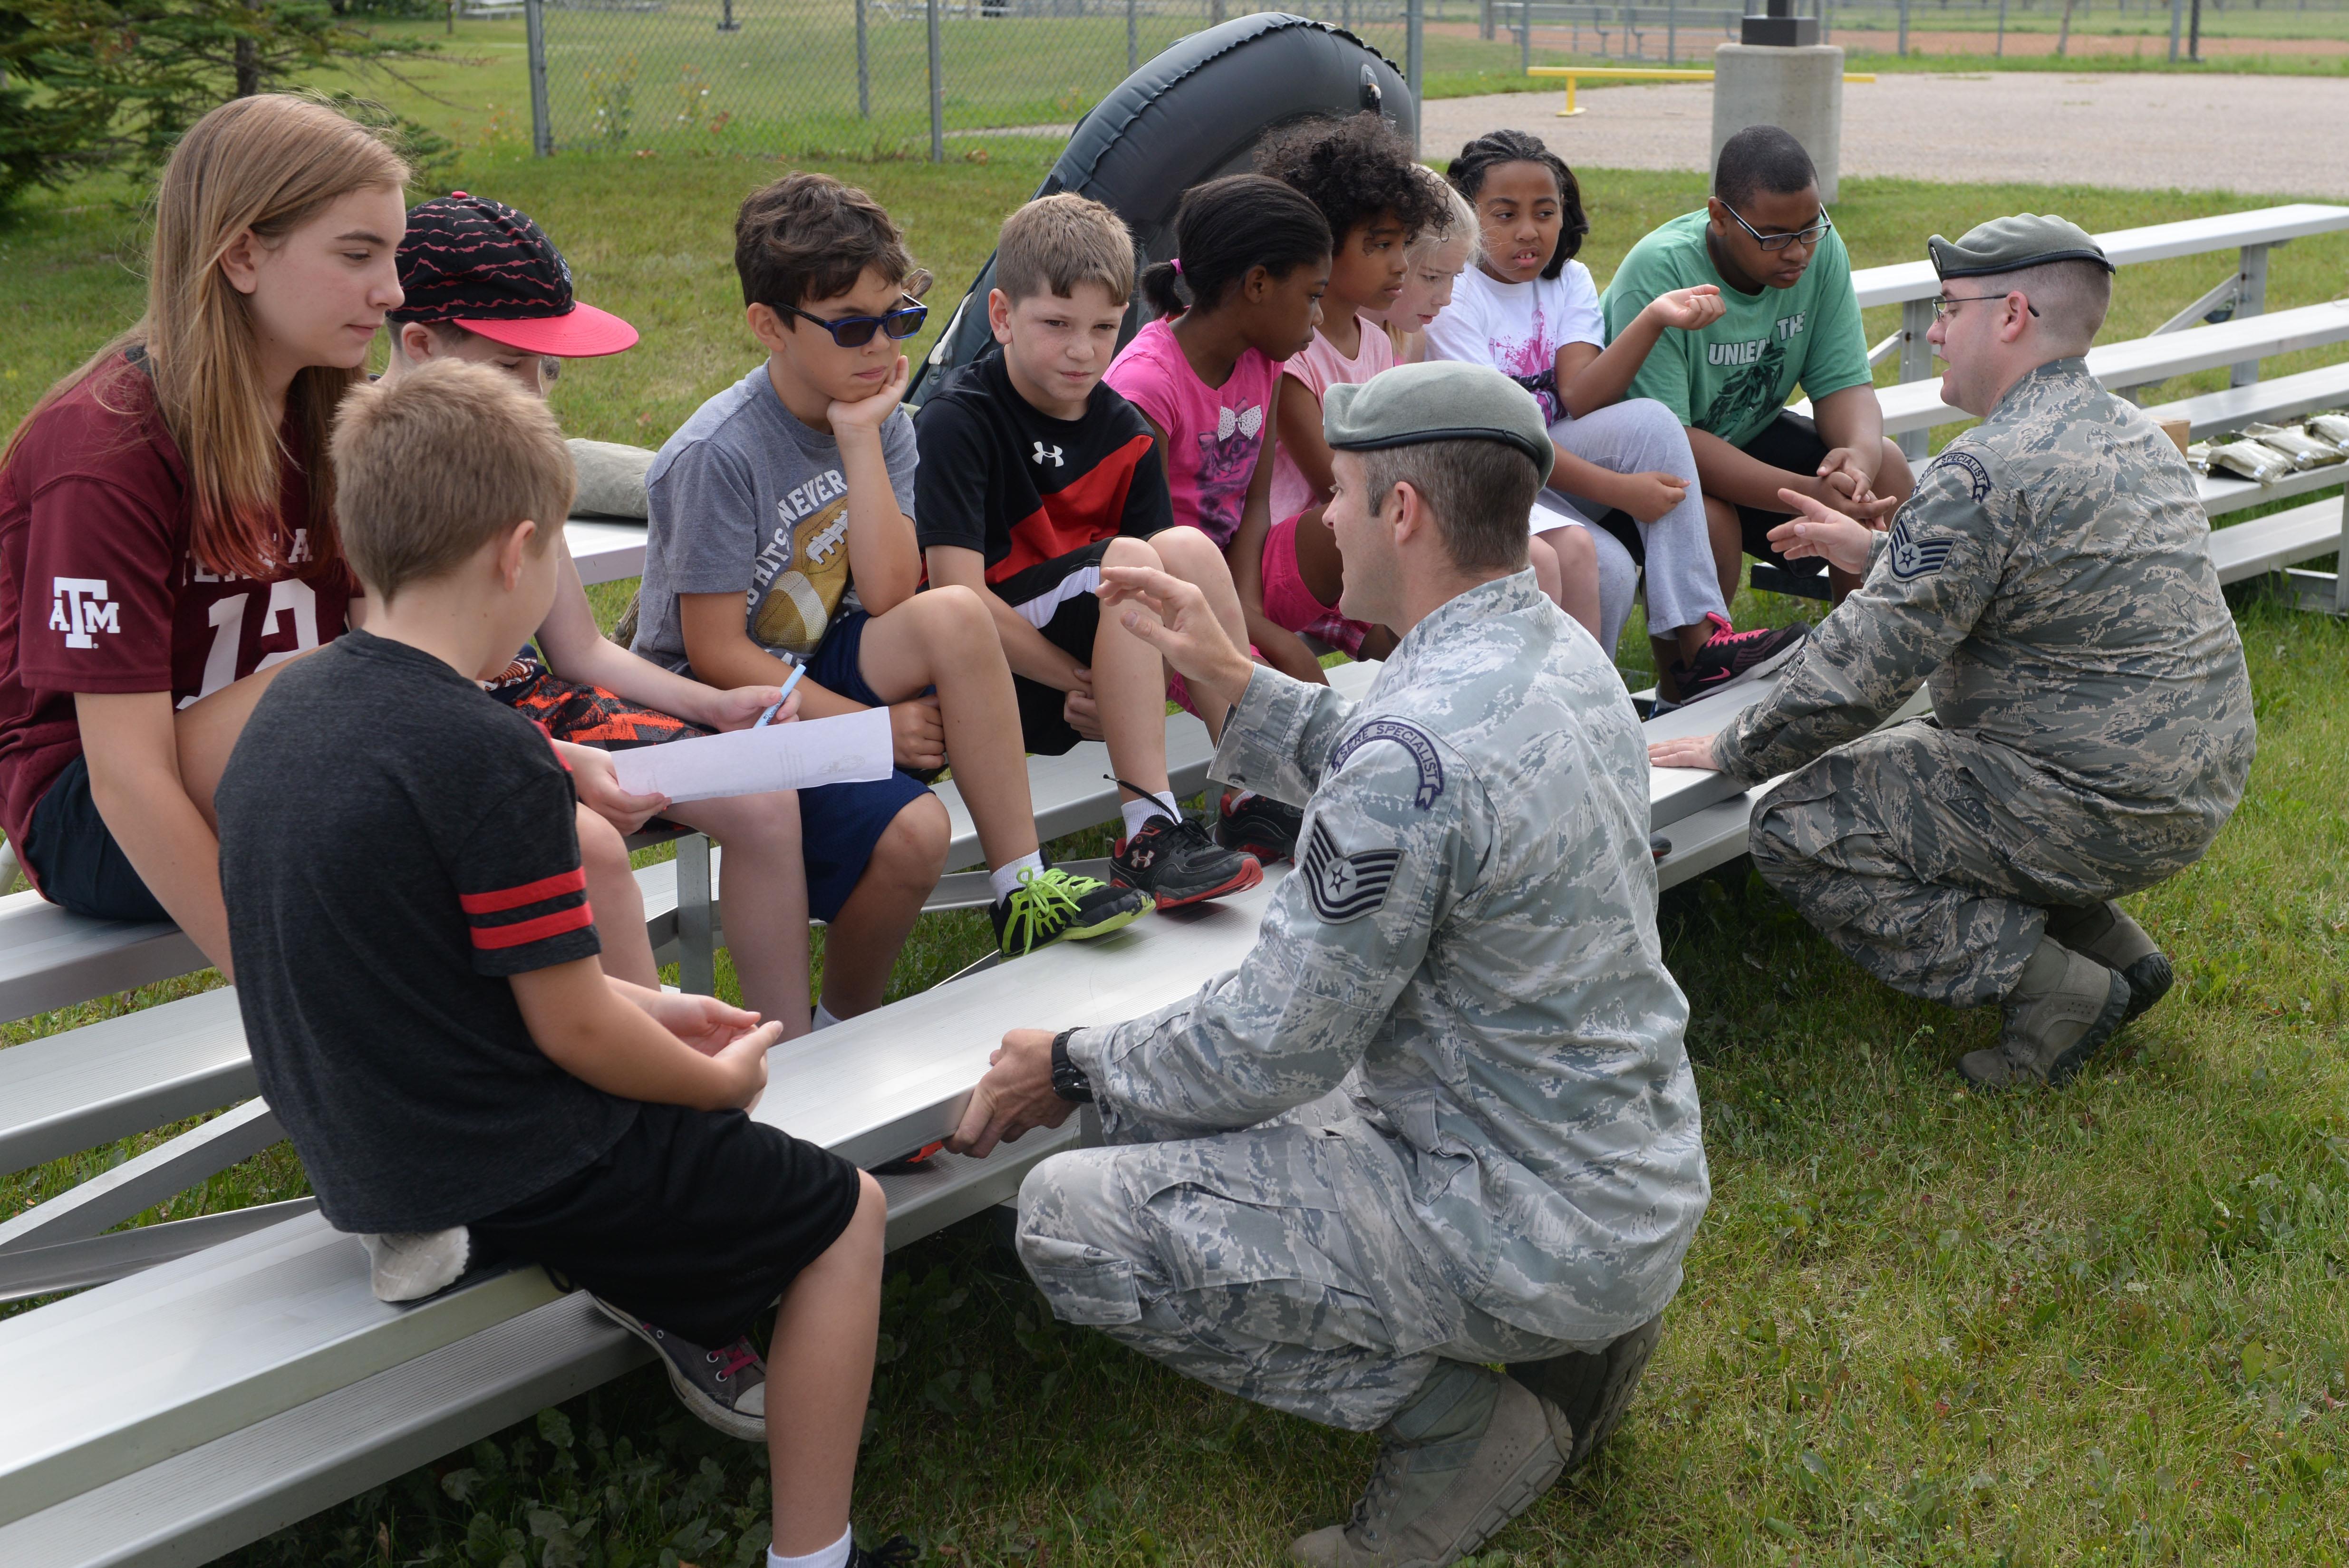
(2051, 577)
(1468, 943)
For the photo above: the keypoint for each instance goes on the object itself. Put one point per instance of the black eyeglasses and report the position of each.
(1774, 242)
(856, 331)
(1948, 303)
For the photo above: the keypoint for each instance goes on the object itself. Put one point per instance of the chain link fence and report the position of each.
(871, 78)
(2157, 30)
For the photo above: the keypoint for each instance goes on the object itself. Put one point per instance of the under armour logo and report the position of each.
(1050, 454)
(80, 608)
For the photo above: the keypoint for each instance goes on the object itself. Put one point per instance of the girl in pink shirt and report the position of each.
(1243, 293)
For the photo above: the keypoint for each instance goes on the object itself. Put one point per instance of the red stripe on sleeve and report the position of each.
(522, 931)
(572, 881)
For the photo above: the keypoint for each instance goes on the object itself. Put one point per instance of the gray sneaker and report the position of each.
(727, 1388)
(1470, 1451)
(2054, 1025)
(2105, 933)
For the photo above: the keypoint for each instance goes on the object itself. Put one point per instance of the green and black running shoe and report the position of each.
(1051, 904)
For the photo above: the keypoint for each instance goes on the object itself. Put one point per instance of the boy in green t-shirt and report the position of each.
(1793, 320)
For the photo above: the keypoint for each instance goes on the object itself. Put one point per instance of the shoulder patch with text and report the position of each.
(1411, 738)
(1913, 558)
(1977, 476)
(1343, 888)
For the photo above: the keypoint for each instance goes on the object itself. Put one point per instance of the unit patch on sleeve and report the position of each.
(1977, 476)
(1411, 738)
(1343, 888)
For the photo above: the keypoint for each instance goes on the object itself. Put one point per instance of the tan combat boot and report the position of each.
(2065, 1006)
(2105, 933)
(1470, 1451)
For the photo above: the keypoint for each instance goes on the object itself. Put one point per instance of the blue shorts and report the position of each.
(840, 823)
(74, 859)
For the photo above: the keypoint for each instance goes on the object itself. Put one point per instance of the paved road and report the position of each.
(2265, 135)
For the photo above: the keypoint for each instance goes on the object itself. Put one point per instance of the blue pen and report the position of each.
(793, 680)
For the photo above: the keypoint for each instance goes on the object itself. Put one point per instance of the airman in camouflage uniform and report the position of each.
(2092, 722)
(1512, 1167)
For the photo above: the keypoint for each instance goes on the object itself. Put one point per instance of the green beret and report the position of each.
(2010, 245)
(1442, 399)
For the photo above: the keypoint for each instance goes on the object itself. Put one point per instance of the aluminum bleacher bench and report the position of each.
(130, 1075)
(2252, 235)
(1918, 406)
(176, 1414)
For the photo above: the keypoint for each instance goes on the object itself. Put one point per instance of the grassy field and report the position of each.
(1920, 1327)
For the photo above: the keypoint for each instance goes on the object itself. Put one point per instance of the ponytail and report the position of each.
(1225, 229)
(1161, 288)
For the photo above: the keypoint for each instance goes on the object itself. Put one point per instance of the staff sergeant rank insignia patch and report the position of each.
(1410, 739)
(1913, 558)
(1343, 888)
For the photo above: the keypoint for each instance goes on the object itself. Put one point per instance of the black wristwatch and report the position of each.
(1068, 1080)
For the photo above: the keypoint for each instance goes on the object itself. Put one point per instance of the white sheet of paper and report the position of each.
(1550, 512)
(850, 749)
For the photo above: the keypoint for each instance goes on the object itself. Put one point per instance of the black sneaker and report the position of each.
(1175, 863)
(1732, 658)
(1260, 825)
(1051, 904)
(727, 1388)
(895, 1552)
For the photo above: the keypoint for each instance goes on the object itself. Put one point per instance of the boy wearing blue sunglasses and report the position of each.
(781, 536)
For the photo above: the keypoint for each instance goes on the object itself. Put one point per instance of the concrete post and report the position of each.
(1798, 88)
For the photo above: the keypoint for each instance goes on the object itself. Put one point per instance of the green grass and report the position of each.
(1920, 1327)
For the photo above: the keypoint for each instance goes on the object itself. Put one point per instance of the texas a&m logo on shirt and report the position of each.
(80, 608)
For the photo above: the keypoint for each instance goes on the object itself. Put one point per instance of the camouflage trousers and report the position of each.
(1932, 859)
(1277, 1264)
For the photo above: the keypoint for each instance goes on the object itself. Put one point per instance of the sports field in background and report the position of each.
(1920, 1327)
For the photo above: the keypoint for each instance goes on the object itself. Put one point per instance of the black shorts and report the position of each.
(695, 1220)
(1790, 441)
(1055, 598)
(73, 859)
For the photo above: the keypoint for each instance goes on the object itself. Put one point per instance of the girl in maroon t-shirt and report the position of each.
(167, 534)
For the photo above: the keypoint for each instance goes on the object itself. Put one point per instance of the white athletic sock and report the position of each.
(1004, 880)
(1138, 813)
(823, 1019)
(832, 1556)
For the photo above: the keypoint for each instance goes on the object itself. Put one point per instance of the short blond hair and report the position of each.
(1057, 242)
(436, 464)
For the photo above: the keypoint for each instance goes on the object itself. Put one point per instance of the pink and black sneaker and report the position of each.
(1730, 658)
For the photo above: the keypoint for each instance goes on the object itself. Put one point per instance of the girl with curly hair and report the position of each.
(1359, 173)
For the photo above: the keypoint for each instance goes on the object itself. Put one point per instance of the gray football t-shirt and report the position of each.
(745, 499)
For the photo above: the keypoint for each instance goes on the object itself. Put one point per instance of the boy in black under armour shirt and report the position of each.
(1033, 477)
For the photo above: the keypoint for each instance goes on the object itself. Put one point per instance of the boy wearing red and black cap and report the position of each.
(483, 284)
